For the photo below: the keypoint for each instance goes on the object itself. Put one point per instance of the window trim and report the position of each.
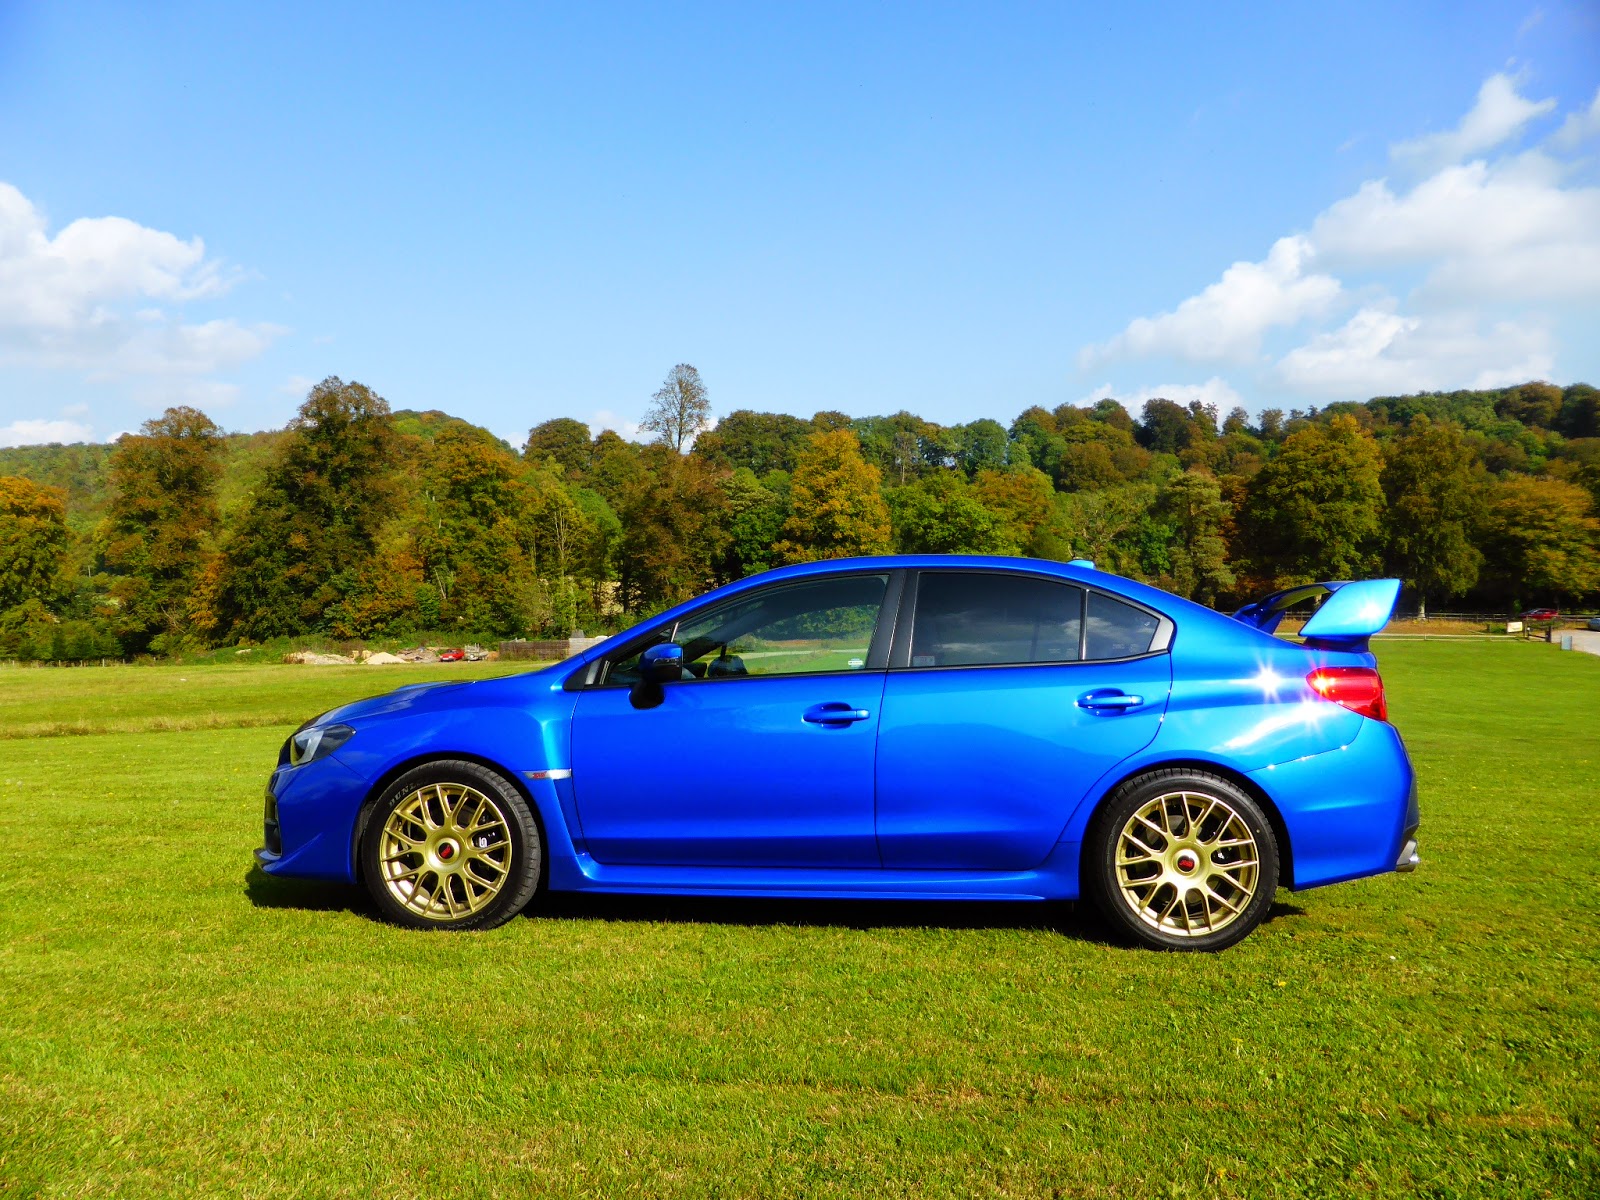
(900, 655)
(592, 677)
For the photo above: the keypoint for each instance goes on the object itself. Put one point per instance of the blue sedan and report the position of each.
(925, 726)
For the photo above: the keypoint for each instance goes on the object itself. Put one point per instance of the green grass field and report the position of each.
(174, 1024)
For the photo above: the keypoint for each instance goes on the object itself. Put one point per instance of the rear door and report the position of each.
(1012, 694)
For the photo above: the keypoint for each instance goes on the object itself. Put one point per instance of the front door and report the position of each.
(1017, 694)
(761, 755)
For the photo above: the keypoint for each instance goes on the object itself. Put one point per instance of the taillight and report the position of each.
(1360, 689)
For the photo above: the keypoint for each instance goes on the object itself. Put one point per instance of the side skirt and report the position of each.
(1054, 879)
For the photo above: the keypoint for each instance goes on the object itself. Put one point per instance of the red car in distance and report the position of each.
(452, 655)
(1540, 614)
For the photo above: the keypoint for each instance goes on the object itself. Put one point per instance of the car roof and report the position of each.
(1077, 572)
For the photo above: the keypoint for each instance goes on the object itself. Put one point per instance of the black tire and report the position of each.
(451, 845)
(1189, 879)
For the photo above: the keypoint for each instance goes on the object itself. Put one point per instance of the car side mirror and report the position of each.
(662, 663)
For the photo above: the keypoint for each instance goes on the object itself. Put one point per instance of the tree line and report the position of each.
(359, 522)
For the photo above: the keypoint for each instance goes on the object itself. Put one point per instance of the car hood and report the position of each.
(420, 697)
(522, 689)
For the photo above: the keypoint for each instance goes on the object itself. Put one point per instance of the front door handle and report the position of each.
(834, 713)
(1109, 701)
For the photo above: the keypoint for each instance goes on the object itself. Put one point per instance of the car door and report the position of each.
(1007, 698)
(762, 754)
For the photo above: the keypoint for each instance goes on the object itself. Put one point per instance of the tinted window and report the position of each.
(1118, 630)
(800, 629)
(969, 619)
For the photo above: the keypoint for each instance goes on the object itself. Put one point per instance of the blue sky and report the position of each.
(524, 212)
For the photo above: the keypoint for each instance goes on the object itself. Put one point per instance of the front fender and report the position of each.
(321, 804)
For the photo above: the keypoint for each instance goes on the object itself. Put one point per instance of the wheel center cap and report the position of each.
(446, 851)
(1186, 860)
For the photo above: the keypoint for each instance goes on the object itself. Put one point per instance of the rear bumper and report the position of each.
(1409, 858)
(1349, 812)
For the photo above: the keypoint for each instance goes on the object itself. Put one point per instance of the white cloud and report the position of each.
(1488, 250)
(1510, 231)
(33, 433)
(1214, 391)
(1499, 115)
(91, 298)
(1579, 126)
(298, 386)
(1226, 321)
(1380, 351)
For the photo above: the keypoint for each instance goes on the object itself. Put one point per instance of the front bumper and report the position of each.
(308, 822)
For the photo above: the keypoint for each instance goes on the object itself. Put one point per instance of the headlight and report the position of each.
(311, 744)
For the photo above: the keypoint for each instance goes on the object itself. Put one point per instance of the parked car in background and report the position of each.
(452, 655)
(1593, 623)
(929, 726)
(1540, 614)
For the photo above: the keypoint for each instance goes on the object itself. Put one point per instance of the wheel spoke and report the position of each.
(1149, 853)
(1233, 908)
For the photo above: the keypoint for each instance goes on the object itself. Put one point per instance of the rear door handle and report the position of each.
(834, 713)
(1109, 701)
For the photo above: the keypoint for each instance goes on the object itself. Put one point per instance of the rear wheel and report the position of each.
(451, 845)
(1182, 860)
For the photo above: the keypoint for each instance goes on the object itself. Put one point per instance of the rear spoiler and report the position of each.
(1352, 612)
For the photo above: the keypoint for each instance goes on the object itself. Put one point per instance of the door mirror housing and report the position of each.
(662, 663)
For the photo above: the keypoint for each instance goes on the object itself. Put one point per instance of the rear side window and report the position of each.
(967, 619)
(1117, 630)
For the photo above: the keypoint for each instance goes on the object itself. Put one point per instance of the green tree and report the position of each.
(1541, 540)
(563, 439)
(980, 446)
(902, 446)
(760, 441)
(1533, 404)
(1580, 411)
(1109, 527)
(755, 521)
(1192, 507)
(939, 515)
(1036, 441)
(680, 408)
(34, 542)
(835, 508)
(161, 525)
(475, 544)
(1086, 467)
(1578, 461)
(1315, 510)
(1110, 412)
(312, 527)
(1433, 501)
(1021, 500)
(1164, 427)
(674, 530)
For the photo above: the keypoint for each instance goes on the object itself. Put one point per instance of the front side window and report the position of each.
(967, 619)
(796, 629)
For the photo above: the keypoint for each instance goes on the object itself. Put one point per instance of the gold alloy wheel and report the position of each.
(445, 851)
(1187, 864)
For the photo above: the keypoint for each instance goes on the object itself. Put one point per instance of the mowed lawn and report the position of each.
(174, 1024)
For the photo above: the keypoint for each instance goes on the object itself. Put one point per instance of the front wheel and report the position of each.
(1182, 860)
(451, 845)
